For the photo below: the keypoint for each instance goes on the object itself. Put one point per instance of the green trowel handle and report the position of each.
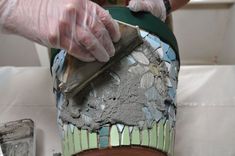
(145, 21)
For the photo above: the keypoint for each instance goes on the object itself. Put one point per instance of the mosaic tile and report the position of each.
(143, 33)
(145, 138)
(104, 142)
(93, 140)
(168, 65)
(160, 142)
(153, 136)
(77, 140)
(172, 141)
(152, 94)
(135, 136)
(165, 47)
(153, 41)
(171, 93)
(84, 139)
(70, 140)
(154, 69)
(147, 80)
(115, 77)
(65, 143)
(104, 131)
(168, 82)
(148, 114)
(171, 54)
(125, 136)
(166, 136)
(160, 52)
(138, 69)
(127, 61)
(140, 57)
(120, 127)
(114, 136)
(165, 57)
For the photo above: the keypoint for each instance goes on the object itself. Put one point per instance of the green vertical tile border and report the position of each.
(160, 142)
(125, 136)
(145, 137)
(153, 136)
(135, 136)
(77, 140)
(65, 141)
(104, 142)
(70, 139)
(84, 139)
(114, 136)
(93, 141)
(172, 142)
(166, 136)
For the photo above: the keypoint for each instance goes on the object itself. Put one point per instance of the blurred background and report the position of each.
(205, 30)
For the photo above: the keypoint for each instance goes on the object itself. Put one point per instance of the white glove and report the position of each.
(156, 7)
(81, 27)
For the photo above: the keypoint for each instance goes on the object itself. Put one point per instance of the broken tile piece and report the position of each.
(93, 140)
(166, 136)
(153, 41)
(143, 33)
(154, 69)
(104, 131)
(160, 52)
(127, 61)
(125, 136)
(84, 139)
(77, 140)
(160, 142)
(168, 82)
(140, 57)
(145, 138)
(120, 127)
(138, 69)
(135, 137)
(165, 47)
(152, 94)
(153, 136)
(70, 140)
(147, 80)
(168, 65)
(114, 136)
(171, 54)
(104, 142)
(115, 77)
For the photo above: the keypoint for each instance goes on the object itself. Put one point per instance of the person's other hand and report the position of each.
(156, 7)
(81, 27)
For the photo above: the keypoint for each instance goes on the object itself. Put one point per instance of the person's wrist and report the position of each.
(168, 7)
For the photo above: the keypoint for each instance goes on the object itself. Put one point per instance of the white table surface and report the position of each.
(205, 119)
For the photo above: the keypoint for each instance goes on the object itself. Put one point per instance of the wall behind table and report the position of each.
(206, 32)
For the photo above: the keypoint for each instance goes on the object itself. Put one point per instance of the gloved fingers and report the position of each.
(110, 24)
(91, 44)
(101, 33)
(135, 5)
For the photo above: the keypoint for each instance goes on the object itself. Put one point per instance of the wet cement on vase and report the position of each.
(123, 94)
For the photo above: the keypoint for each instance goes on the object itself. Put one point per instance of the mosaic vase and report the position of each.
(132, 104)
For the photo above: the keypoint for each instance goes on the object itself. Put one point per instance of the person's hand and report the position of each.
(81, 27)
(156, 7)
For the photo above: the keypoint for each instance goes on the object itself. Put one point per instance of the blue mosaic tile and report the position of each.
(165, 57)
(153, 41)
(171, 54)
(104, 131)
(171, 93)
(104, 141)
(165, 47)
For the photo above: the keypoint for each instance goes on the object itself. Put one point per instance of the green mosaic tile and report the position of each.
(114, 136)
(166, 136)
(65, 143)
(125, 136)
(160, 135)
(104, 142)
(153, 136)
(104, 131)
(84, 139)
(70, 140)
(93, 140)
(145, 138)
(172, 139)
(77, 140)
(135, 136)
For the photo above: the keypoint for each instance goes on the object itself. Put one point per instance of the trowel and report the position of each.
(78, 74)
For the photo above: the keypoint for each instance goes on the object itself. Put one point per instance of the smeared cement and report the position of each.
(117, 97)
